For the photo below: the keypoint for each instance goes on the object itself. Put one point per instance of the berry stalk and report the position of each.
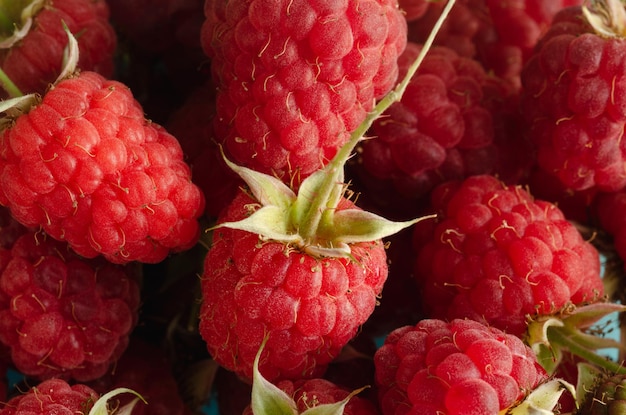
(9, 86)
(329, 191)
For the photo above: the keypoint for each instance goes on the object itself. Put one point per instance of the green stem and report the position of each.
(6, 23)
(558, 336)
(9, 86)
(330, 189)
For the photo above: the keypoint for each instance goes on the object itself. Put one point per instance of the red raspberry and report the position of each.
(86, 166)
(35, 60)
(573, 98)
(296, 77)
(61, 315)
(310, 307)
(499, 34)
(53, 396)
(309, 393)
(443, 128)
(456, 367)
(497, 255)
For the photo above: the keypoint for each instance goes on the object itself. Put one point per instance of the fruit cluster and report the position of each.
(383, 207)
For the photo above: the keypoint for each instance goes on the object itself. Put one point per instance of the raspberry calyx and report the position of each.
(607, 17)
(550, 336)
(309, 220)
(16, 19)
(101, 406)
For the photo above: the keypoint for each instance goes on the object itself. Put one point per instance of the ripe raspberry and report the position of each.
(572, 96)
(53, 396)
(33, 59)
(86, 166)
(61, 315)
(296, 77)
(456, 367)
(499, 34)
(444, 128)
(497, 255)
(309, 393)
(310, 307)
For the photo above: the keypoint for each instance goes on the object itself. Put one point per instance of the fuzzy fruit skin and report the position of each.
(456, 367)
(309, 307)
(308, 393)
(35, 62)
(88, 168)
(573, 98)
(62, 315)
(497, 255)
(53, 396)
(296, 77)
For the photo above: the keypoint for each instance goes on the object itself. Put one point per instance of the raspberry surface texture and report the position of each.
(87, 167)
(295, 78)
(62, 315)
(453, 368)
(498, 255)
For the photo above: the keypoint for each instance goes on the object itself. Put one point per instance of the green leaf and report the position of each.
(270, 222)
(268, 190)
(587, 377)
(267, 398)
(101, 406)
(586, 316)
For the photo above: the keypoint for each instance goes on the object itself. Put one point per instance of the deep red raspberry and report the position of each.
(61, 315)
(35, 61)
(497, 255)
(444, 128)
(53, 396)
(456, 367)
(499, 34)
(310, 307)
(86, 166)
(296, 77)
(573, 98)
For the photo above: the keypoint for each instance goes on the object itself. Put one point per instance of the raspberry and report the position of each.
(86, 166)
(497, 255)
(456, 367)
(53, 396)
(63, 316)
(296, 77)
(35, 60)
(606, 396)
(573, 98)
(500, 35)
(443, 128)
(310, 307)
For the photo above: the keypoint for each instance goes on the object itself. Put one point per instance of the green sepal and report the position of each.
(355, 225)
(70, 56)
(543, 399)
(267, 398)
(20, 25)
(270, 222)
(268, 190)
(101, 406)
(332, 408)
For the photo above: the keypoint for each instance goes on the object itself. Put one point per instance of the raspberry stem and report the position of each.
(9, 86)
(565, 338)
(331, 189)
